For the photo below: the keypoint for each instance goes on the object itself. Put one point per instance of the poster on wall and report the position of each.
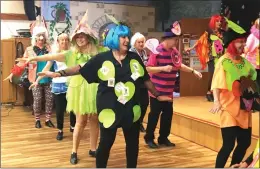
(48, 12)
(195, 64)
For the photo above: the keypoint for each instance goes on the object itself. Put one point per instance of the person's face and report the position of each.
(139, 44)
(40, 39)
(82, 39)
(218, 24)
(173, 42)
(240, 45)
(63, 43)
(123, 43)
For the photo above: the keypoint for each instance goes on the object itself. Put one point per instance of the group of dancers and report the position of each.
(112, 83)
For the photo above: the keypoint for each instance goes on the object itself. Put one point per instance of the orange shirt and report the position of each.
(230, 114)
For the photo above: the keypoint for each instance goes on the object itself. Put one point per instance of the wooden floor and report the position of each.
(22, 145)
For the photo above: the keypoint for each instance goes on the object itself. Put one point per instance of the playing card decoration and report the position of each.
(218, 46)
(176, 58)
(176, 28)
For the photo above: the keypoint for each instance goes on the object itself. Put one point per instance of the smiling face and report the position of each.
(63, 42)
(123, 43)
(218, 24)
(240, 45)
(81, 39)
(40, 39)
(139, 44)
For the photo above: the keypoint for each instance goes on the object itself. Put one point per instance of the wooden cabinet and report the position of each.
(11, 93)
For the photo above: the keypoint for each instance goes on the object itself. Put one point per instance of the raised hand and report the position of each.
(9, 77)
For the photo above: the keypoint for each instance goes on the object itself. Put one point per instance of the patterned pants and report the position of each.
(37, 100)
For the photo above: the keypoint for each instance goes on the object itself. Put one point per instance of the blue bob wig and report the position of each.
(112, 39)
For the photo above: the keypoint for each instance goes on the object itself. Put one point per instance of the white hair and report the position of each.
(136, 36)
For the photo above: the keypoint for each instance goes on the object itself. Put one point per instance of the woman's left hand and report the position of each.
(197, 74)
(49, 74)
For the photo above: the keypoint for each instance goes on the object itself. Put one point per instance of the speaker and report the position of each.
(29, 9)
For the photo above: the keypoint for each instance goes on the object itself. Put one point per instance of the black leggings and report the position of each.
(211, 68)
(61, 104)
(258, 76)
(107, 138)
(144, 102)
(230, 135)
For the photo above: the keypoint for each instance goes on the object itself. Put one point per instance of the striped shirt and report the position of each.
(163, 81)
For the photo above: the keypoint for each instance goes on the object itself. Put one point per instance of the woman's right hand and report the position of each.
(9, 78)
(33, 85)
(187, 50)
(216, 107)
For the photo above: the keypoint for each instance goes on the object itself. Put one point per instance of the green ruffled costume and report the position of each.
(235, 71)
(81, 96)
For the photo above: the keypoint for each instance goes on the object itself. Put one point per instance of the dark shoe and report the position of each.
(210, 97)
(142, 128)
(59, 136)
(166, 143)
(49, 124)
(151, 144)
(73, 158)
(38, 124)
(92, 153)
(71, 129)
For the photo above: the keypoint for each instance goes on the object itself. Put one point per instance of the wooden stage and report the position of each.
(193, 121)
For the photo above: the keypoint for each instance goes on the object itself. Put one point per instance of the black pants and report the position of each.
(166, 119)
(61, 104)
(107, 138)
(258, 76)
(230, 135)
(144, 102)
(211, 68)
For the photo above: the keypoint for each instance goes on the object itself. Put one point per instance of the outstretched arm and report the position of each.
(49, 57)
(67, 72)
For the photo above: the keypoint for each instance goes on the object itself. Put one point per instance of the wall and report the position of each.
(191, 9)
(140, 18)
(9, 27)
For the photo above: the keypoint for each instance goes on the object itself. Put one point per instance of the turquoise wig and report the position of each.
(113, 37)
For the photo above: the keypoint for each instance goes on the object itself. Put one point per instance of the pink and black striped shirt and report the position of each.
(163, 81)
